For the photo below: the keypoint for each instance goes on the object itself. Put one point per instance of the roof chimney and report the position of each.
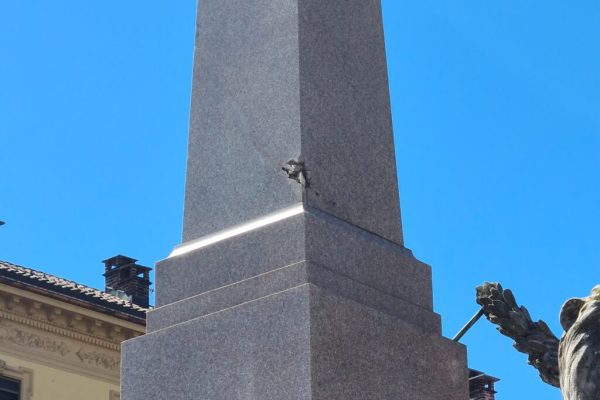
(481, 386)
(125, 278)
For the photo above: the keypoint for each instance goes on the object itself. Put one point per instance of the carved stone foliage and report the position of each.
(45, 347)
(31, 340)
(62, 335)
(573, 363)
(52, 317)
(533, 338)
(99, 360)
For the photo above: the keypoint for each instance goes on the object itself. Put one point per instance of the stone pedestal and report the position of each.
(292, 281)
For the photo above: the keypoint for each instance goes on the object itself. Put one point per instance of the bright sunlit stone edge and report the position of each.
(237, 230)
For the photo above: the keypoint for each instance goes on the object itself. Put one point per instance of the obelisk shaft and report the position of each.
(290, 80)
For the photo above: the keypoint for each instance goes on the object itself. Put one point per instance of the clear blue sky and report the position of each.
(495, 108)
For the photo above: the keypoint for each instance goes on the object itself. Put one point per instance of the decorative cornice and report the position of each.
(98, 359)
(46, 331)
(12, 295)
(79, 324)
(51, 349)
(31, 340)
(70, 333)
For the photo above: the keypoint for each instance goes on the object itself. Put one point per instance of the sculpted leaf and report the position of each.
(573, 363)
(533, 338)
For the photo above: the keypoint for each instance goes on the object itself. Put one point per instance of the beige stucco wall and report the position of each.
(49, 383)
(59, 350)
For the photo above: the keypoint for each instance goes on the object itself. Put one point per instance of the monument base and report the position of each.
(301, 343)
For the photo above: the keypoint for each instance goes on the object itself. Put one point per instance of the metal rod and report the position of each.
(469, 325)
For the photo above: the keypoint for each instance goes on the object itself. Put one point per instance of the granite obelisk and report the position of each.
(292, 280)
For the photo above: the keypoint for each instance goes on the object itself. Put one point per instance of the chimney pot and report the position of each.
(123, 274)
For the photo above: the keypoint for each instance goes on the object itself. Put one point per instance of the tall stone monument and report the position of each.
(292, 281)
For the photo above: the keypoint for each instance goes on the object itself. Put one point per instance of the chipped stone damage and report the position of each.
(297, 172)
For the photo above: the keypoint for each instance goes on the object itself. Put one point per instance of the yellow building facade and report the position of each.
(60, 340)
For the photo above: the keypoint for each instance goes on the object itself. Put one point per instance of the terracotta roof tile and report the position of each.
(61, 286)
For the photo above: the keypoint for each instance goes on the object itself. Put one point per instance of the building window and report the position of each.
(10, 389)
(16, 383)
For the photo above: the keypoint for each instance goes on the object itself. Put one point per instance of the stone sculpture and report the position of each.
(571, 363)
(579, 352)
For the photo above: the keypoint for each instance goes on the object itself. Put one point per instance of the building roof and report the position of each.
(476, 375)
(71, 292)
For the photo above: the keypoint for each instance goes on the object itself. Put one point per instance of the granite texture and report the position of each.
(230, 261)
(245, 119)
(360, 353)
(367, 258)
(311, 236)
(285, 278)
(344, 287)
(302, 343)
(260, 350)
(347, 140)
(228, 296)
(282, 80)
